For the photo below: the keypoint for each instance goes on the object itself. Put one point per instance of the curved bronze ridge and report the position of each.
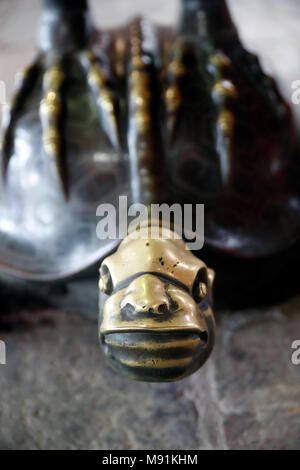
(156, 323)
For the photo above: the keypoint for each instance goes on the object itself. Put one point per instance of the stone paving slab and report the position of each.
(57, 392)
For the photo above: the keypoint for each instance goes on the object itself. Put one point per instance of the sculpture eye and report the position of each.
(105, 283)
(200, 287)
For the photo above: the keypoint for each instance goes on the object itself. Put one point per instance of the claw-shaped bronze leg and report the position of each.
(98, 81)
(176, 71)
(24, 82)
(224, 94)
(143, 134)
(51, 112)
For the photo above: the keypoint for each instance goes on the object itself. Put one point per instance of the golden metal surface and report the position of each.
(166, 255)
(226, 123)
(120, 52)
(166, 45)
(173, 96)
(177, 343)
(157, 323)
(51, 108)
(224, 89)
(144, 143)
(173, 99)
(139, 83)
(177, 68)
(224, 94)
(220, 61)
(148, 293)
(98, 81)
(159, 363)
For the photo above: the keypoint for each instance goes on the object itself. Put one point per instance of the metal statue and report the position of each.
(159, 115)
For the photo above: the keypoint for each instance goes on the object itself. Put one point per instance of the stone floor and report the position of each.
(56, 391)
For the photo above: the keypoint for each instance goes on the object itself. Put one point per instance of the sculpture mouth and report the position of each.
(164, 333)
(149, 355)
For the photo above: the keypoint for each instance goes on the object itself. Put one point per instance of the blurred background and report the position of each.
(269, 27)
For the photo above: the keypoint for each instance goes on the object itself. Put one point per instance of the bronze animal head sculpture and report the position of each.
(157, 323)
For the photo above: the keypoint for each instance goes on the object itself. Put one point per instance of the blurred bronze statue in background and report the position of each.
(160, 115)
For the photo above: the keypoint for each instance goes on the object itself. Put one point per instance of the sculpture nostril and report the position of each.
(163, 309)
(128, 310)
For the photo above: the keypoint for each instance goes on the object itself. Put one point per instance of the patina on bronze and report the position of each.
(157, 323)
